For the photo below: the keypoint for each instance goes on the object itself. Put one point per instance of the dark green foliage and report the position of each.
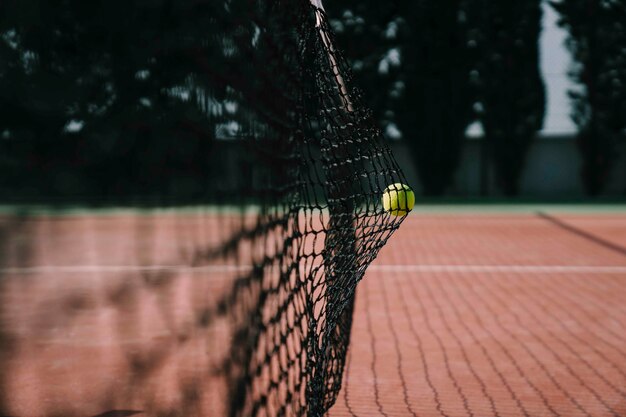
(434, 110)
(91, 91)
(597, 39)
(369, 33)
(412, 60)
(510, 91)
(452, 55)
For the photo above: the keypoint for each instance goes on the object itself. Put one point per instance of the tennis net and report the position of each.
(206, 104)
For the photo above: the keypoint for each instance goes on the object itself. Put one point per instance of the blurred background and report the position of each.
(477, 99)
(482, 98)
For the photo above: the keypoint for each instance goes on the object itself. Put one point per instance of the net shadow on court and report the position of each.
(527, 319)
(492, 315)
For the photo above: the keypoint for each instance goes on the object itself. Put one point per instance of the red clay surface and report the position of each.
(461, 315)
(542, 334)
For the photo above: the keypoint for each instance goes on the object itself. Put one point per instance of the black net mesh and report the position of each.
(326, 174)
(243, 104)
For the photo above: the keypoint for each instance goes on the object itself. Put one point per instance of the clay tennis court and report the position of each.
(464, 313)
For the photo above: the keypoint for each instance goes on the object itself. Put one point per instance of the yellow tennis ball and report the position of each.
(398, 199)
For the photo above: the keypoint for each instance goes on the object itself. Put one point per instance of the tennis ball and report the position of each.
(398, 199)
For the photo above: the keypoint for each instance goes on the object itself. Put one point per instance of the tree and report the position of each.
(92, 93)
(597, 35)
(368, 33)
(434, 112)
(509, 87)
(411, 59)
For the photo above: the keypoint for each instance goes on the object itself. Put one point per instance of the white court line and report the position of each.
(520, 269)
(81, 269)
